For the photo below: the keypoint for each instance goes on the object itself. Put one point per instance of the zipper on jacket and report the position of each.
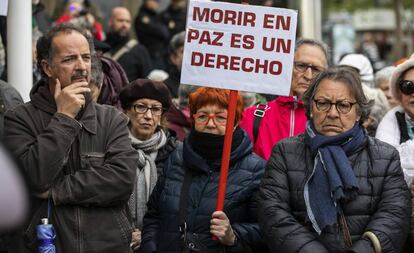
(74, 163)
(292, 118)
(78, 214)
(93, 155)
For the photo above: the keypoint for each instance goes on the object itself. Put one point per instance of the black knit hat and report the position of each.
(145, 88)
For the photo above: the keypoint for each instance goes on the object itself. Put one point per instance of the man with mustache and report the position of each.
(285, 116)
(76, 154)
(132, 56)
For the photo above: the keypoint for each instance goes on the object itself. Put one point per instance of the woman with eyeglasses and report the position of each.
(181, 213)
(397, 126)
(334, 188)
(144, 102)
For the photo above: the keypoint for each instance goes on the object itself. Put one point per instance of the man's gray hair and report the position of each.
(317, 43)
(176, 42)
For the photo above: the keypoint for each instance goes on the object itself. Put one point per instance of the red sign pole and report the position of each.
(225, 158)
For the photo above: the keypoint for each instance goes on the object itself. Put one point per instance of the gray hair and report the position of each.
(176, 42)
(342, 74)
(317, 43)
(184, 92)
(96, 72)
(376, 114)
(384, 74)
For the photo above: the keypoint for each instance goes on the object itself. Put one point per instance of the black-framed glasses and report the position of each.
(341, 106)
(406, 87)
(143, 108)
(303, 67)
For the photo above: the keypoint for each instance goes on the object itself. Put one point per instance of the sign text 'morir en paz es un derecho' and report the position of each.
(239, 47)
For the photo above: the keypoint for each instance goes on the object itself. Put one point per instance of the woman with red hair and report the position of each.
(181, 214)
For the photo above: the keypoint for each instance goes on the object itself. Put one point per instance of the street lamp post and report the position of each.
(310, 17)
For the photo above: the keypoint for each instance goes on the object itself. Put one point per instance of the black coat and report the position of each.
(152, 33)
(173, 81)
(161, 223)
(382, 205)
(174, 19)
(136, 63)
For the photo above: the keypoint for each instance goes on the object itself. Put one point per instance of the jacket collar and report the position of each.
(42, 99)
(289, 101)
(196, 163)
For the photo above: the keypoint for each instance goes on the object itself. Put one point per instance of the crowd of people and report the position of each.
(121, 157)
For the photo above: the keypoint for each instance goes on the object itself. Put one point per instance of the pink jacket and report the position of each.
(284, 117)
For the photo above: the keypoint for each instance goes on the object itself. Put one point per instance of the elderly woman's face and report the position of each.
(333, 108)
(211, 119)
(407, 100)
(384, 85)
(145, 116)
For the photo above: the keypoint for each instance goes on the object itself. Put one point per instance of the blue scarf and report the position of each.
(333, 178)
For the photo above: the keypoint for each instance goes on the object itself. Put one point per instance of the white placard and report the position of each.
(3, 7)
(239, 47)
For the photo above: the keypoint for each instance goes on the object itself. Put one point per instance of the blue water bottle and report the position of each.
(46, 234)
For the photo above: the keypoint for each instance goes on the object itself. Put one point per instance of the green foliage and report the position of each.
(353, 5)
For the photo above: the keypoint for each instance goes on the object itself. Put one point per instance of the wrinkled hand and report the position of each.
(43, 195)
(136, 239)
(221, 228)
(70, 99)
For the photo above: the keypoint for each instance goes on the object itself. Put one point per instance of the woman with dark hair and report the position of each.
(334, 188)
(181, 216)
(145, 102)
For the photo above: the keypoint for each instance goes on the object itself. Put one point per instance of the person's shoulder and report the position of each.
(21, 108)
(108, 112)
(294, 140)
(177, 151)
(384, 157)
(391, 113)
(105, 108)
(379, 149)
(388, 129)
(250, 111)
(175, 160)
(256, 162)
(139, 48)
(294, 144)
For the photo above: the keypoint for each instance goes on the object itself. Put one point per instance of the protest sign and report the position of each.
(239, 47)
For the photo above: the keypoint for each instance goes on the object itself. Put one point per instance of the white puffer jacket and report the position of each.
(389, 131)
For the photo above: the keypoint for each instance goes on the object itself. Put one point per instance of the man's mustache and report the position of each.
(79, 75)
